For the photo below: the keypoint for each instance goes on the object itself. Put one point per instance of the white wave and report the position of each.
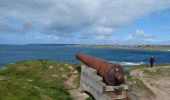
(128, 63)
(131, 63)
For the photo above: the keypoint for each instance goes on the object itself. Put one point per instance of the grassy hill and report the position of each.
(49, 80)
(37, 80)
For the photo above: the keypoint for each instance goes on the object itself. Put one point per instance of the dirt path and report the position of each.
(1, 78)
(77, 95)
(160, 86)
(75, 92)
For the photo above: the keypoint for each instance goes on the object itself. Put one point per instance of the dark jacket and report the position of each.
(152, 60)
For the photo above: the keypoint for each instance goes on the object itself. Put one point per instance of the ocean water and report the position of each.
(13, 53)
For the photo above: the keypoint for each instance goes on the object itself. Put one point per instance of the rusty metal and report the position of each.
(111, 73)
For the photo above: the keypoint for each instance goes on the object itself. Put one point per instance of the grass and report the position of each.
(159, 72)
(89, 98)
(136, 82)
(141, 86)
(144, 66)
(36, 80)
(44, 80)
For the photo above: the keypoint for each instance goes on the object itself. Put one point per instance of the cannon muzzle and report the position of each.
(112, 74)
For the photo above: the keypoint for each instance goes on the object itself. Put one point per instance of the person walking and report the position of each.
(152, 60)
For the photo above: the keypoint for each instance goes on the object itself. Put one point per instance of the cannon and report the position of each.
(112, 74)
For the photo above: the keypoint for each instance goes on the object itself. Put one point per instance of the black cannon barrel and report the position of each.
(112, 74)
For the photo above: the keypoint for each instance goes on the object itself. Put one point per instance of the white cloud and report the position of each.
(140, 35)
(46, 37)
(140, 32)
(102, 30)
(99, 33)
(150, 40)
(62, 17)
(129, 37)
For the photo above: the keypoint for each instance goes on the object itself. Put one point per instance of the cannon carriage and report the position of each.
(101, 79)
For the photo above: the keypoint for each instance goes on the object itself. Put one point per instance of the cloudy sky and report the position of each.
(85, 21)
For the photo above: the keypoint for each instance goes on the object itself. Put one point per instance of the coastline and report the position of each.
(144, 52)
(135, 47)
(122, 63)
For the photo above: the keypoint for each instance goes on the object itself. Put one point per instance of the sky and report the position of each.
(119, 22)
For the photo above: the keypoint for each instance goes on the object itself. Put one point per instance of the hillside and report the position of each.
(38, 80)
(150, 83)
(49, 80)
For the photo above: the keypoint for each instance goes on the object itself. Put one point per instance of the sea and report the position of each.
(66, 53)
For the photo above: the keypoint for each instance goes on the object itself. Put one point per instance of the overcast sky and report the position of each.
(85, 21)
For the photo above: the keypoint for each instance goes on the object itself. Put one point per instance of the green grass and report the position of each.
(36, 80)
(89, 98)
(144, 66)
(44, 80)
(159, 72)
(136, 82)
(142, 87)
(139, 84)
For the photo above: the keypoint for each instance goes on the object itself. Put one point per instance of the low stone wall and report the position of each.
(93, 84)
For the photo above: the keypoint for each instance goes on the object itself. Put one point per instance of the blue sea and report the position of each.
(13, 53)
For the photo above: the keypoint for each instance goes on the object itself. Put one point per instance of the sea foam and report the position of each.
(128, 63)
